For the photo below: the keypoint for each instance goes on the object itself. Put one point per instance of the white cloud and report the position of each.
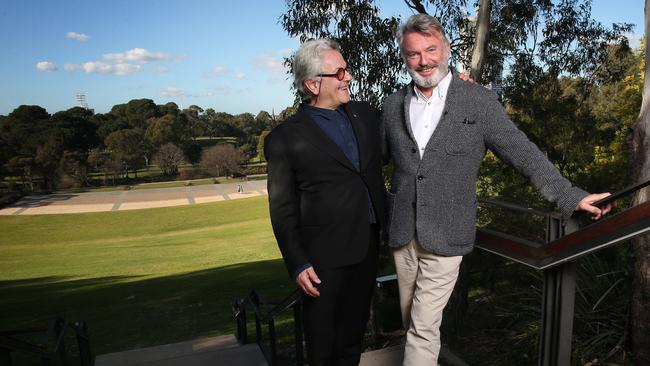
(71, 67)
(98, 67)
(634, 40)
(139, 55)
(217, 70)
(269, 62)
(125, 69)
(171, 91)
(240, 76)
(46, 66)
(77, 36)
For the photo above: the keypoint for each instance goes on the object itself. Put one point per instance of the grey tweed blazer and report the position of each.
(433, 199)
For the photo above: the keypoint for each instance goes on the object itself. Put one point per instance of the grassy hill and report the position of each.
(142, 277)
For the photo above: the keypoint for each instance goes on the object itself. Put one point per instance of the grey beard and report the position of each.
(433, 80)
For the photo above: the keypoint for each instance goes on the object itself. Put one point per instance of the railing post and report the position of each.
(557, 304)
(85, 353)
(59, 339)
(297, 330)
(5, 357)
(239, 310)
(273, 343)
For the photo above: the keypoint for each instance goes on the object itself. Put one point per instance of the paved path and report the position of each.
(133, 199)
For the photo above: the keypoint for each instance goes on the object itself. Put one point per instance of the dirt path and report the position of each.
(133, 199)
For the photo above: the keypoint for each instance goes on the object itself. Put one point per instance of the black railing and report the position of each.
(56, 334)
(563, 244)
(265, 316)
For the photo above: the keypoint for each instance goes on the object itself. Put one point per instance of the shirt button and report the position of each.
(420, 177)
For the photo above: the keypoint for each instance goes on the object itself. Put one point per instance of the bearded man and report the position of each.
(437, 130)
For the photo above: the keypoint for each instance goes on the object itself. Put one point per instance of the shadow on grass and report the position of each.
(126, 312)
(42, 200)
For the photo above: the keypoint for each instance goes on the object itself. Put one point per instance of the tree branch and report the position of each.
(416, 5)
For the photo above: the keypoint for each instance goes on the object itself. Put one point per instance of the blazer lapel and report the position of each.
(362, 136)
(309, 130)
(407, 110)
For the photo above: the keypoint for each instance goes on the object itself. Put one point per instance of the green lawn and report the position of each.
(142, 277)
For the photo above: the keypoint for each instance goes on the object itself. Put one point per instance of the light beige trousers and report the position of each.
(425, 283)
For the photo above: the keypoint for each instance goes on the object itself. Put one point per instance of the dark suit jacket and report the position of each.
(318, 200)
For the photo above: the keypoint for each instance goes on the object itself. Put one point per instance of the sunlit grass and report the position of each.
(141, 277)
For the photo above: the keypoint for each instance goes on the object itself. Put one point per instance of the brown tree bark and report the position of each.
(640, 168)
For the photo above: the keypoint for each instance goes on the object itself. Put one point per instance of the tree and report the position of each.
(169, 157)
(480, 46)
(24, 130)
(77, 135)
(221, 159)
(136, 112)
(127, 149)
(260, 146)
(640, 141)
(162, 130)
(573, 43)
(365, 38)
(101, 161)
(194, 117)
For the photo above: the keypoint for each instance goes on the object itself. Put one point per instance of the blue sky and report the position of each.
(222, 54)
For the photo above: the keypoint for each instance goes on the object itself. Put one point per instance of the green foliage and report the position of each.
(260, 146)
(365, 37)
(528, 38)
(126, 148)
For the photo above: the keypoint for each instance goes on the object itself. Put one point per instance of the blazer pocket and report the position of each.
(462, 138)
(456, 149)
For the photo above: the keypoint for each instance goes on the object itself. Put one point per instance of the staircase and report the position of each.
(215, 351)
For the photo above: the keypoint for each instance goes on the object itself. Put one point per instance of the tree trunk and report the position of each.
(479, 53)
(640, 324)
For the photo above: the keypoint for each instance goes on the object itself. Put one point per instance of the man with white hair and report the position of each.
(326, 199)
(436, 131)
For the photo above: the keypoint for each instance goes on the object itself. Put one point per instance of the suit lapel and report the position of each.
(407, 110)
(361, 134)
(310, 131)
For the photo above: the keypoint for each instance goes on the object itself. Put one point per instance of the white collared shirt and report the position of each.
(425, 112)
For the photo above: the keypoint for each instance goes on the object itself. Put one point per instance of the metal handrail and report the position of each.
(556, 258)
(56, 330)
(267, 317)
(606, 232)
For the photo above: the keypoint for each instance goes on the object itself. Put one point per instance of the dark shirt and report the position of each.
(337, 126)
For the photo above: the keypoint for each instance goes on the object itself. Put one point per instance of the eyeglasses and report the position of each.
(339, 74)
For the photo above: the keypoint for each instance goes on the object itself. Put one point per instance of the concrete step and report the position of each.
(214, 351)
(390, 356)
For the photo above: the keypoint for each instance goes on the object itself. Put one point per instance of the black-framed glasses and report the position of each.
(339, 74)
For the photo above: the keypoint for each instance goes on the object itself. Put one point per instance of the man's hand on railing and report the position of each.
(306, 280)
(586, 204)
